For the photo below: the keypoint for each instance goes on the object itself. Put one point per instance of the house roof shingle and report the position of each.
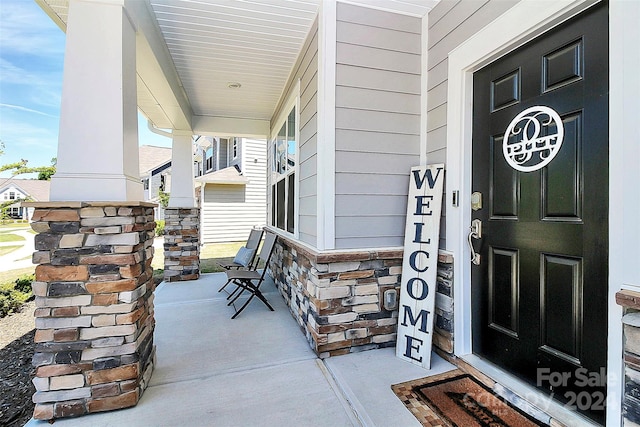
(37, 189)
(151, 157)
(229, 175)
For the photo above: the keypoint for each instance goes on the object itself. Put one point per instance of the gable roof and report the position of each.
(37, 189)
(151, 157)
(229, 175)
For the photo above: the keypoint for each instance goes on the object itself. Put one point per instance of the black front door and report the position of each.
(540, 164)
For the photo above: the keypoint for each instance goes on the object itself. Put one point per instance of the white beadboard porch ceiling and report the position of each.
(214, 43)
(251, 42)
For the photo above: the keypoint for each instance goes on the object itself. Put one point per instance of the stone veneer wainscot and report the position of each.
(94, 296)
(181, 244)
(630, 301)
(337, 297)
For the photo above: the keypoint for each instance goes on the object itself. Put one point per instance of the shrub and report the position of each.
(160, 228)
(14, 294)
(23, 283)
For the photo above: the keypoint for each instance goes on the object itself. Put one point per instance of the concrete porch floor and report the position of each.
(255, 370)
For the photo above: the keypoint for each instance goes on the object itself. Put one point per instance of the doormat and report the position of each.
(456, 399)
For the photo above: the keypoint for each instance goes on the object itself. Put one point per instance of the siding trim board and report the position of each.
(326, 120)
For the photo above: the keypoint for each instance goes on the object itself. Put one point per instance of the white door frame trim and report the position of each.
(514, 28)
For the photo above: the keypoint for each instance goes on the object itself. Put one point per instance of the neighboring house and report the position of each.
(155, 173)
(231, 187)
(23, 189)
(351, 95)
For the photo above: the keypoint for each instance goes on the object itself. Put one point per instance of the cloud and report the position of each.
(25, 109)
(13, 74)
(31, 140)
(24, 31)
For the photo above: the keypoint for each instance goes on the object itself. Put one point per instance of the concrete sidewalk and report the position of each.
(20, 258)
(256, 370)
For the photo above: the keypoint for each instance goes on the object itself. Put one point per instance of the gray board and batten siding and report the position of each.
(451, 22)
(229, 211)
(378, 78)
(305, 70)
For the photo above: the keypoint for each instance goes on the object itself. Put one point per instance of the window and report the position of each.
(12, 195)
(283, 176)
(235, 148)
(145, 182)
(209, 159)
(163, 180)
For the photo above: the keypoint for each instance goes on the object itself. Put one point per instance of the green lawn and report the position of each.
(210, 256)
(8, 237)
(14, 225)
(12, 275)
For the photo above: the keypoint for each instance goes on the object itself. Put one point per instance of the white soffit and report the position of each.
(217, 43)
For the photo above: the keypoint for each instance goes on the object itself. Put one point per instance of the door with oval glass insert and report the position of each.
(540, 291)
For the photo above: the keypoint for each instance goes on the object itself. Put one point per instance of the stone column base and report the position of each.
(630, 301)
(94, 296)
(181, 244)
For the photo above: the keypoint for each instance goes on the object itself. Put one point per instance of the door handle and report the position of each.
(475, 232)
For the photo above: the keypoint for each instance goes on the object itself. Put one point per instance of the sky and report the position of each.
(31, 64)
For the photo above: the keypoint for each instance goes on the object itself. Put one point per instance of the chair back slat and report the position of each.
(267, 246)
(254, 239)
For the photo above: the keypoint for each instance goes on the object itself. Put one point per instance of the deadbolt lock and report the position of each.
(476, 201)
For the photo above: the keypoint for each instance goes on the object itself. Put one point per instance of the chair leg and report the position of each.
(240, 290)
(255, 292)
(224, 286)
(262, 298)
(243, 306)
(233, 294)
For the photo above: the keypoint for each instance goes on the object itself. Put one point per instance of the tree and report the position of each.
(44, 172)
(164, 199)
(21, 167)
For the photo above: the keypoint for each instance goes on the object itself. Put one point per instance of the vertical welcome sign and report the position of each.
(419, 265)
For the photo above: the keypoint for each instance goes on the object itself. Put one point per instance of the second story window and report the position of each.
(234, 149)
(208, 155)
(12, 195)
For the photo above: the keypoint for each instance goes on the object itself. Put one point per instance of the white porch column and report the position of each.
(98, 140)
(182, 183)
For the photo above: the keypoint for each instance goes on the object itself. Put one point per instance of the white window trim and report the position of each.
(517, 26)
(235, 149)
(293, 102)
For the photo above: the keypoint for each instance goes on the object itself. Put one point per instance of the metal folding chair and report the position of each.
(244, 279)
(255, 236)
